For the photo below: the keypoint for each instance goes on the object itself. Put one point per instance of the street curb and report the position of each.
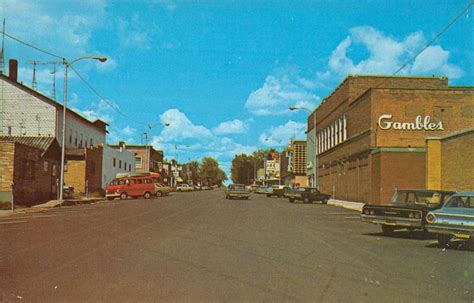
(356, 206)
(48, 205)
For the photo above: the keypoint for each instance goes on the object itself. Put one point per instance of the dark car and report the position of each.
(407, 209)
(307, 195)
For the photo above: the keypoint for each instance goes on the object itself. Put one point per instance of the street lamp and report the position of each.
(67, 64)
(315, 166)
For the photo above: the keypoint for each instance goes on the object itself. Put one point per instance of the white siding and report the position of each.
(108, 170)
(22, 114)
(77, 128)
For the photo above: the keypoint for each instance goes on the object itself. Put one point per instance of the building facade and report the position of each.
(449, 161)
(371, 133)
(29, 169)
(147, 159)
(116, 161)
(293, 164)
(311, 160)
(26, 112)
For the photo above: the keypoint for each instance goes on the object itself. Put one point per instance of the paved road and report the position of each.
(199, 247)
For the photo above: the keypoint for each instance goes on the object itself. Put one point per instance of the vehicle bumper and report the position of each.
(459, 232)
(114, 195)
(391, 221)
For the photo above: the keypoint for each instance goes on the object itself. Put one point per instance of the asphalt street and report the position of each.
(199, 247)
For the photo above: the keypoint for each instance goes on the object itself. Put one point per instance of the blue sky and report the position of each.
(223, 73)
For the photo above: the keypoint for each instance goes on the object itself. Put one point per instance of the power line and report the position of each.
(110, 104)
(435, 37)
(32, 46)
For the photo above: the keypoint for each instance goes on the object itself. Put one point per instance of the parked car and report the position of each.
(253, 187)
(263, 190)
(454, 220)
(237, 191)
(407, 209)
(277, 190)
(133, 186)
(184, 187)
(307, 195)
(162, 189)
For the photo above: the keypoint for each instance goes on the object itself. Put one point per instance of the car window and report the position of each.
(460, 201)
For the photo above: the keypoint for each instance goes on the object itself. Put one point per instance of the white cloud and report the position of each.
(129, 130)
(280, 92)
(386, 55)
(132, 34)
(65, 31)
(280, 135)
(231, 127)
(180, 127)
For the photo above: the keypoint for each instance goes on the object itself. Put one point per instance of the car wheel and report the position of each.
(325, 201)
(146, 195)
(443, 240)
(291, 200)
(123, 196)
(159, 194)
(387, 230)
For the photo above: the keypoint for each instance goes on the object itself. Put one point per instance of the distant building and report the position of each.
(272, 168)
(311, 160)
(147, 159)
(29, 169)
(293, 164)
(116, 161)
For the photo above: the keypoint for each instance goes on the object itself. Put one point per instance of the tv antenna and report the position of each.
(34, 83)
(2, 54)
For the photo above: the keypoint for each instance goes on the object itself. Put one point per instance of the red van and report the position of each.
(132, 186)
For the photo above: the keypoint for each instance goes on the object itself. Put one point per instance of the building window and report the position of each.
(336, 134)
(344, 125)
(45, 166)
(340, 129)
(130, 167)
(138, 162)
(75, 141)
(91, 144)
(115, 162)
(120, 164)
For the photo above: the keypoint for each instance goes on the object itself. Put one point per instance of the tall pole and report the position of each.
(63, 143)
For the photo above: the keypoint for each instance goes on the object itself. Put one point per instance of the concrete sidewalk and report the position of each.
(50, 204)
(357, 206)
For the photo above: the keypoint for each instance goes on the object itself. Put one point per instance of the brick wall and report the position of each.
(93, 168)
(33, 176)
(75, 175)
(7, 154)
(457, 162)
(433, 163)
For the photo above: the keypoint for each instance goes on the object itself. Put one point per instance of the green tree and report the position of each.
(243, 169)
(210, 173)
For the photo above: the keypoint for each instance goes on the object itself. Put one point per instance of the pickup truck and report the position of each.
(307, 195)
(407, 209)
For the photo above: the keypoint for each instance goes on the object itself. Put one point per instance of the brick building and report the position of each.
(371, 131)
(293, 164)
(32, 165)
(449, 161)
(83, 170)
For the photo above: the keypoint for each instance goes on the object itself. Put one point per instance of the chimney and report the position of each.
(122, 145)
(13, 69)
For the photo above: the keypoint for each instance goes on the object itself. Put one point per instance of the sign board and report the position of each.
(385, 122)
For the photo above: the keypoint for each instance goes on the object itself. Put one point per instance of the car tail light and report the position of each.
(430, 218)
(417, 215)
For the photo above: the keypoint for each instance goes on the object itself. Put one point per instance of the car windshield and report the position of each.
(237, 187)
(461, 202)
(417, 197)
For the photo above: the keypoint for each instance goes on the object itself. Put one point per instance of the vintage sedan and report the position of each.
(307, 195)
(407, 209)
(237, 191)
(454, 220)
